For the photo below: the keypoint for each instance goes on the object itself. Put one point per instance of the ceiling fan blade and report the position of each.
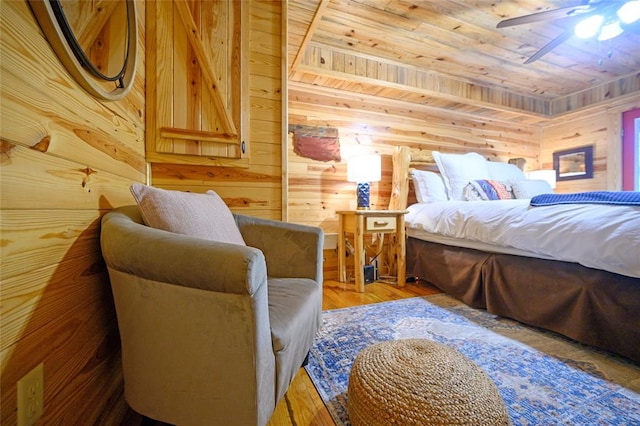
(550, 46)
(547, 15)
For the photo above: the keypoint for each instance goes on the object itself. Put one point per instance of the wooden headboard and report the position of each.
(405, 160)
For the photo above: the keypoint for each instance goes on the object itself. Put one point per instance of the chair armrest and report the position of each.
(131, 247)
(290, 250)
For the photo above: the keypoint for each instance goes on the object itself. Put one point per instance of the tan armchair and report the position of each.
(212, 333)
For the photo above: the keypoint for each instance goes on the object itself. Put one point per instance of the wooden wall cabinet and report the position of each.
(197, 82)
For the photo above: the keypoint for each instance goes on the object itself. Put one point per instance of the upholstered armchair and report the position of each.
(212, 332)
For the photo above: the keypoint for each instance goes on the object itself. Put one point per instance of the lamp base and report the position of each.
(363, 195)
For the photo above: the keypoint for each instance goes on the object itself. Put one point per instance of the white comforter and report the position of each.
(597, 236)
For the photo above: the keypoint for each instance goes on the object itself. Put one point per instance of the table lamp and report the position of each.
(363, 169)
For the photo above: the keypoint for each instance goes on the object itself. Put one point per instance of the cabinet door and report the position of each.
(197, 82)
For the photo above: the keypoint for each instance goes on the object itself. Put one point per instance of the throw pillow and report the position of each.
(487, 190)
(197, 215)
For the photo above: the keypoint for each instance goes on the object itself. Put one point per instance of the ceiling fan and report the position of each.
(602, 19)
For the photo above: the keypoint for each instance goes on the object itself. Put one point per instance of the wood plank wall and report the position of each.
(370, 123)
(66, 159)
(256, 190)
(367, 124)
(601, 127)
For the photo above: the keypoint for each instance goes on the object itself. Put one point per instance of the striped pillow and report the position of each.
(487, 189)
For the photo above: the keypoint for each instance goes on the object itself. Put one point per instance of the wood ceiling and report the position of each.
(449, 54)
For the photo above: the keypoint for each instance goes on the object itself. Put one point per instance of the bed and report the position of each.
(570, 268)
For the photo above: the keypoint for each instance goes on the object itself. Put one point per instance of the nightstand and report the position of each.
(362, 222)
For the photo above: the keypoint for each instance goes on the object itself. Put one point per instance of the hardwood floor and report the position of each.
(302, 406)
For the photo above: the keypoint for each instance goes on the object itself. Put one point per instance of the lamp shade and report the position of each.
(589, 27)
(548, 175)
(629, 12)
(610, 30)
(364, 168)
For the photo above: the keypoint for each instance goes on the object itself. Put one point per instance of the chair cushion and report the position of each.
(295, 306)
(197, 215)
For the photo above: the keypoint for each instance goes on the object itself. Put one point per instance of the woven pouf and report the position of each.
(421, 382)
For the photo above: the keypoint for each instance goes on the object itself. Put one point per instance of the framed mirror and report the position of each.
(97, 41)
(576, 163)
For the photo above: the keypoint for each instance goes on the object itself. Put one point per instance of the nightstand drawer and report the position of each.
(383, 223)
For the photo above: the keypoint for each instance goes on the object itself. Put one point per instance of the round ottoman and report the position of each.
(421, 382)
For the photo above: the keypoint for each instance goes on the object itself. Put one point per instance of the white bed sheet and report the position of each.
(597, 236)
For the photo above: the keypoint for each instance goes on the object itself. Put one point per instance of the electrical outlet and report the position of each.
(31, 396)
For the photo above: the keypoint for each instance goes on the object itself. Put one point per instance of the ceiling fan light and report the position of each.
(610, 31)
(589, 27)
(629, 12)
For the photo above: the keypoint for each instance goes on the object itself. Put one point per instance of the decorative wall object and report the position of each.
(317, 143)
(98, 44)
(575, 163)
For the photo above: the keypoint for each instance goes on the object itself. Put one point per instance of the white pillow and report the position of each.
(504, 172)
(429, 186)
(197, 215)
(459, 169)
(529, 188)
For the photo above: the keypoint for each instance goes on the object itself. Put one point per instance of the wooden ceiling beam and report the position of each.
(625, 86)
(458, 40)
(349, 99)
(310, 31)
(363, 70)
(357, 69)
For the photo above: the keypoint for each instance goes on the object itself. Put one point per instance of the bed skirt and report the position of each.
(591, 306)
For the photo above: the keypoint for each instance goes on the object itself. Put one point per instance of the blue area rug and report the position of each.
(542, 377)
